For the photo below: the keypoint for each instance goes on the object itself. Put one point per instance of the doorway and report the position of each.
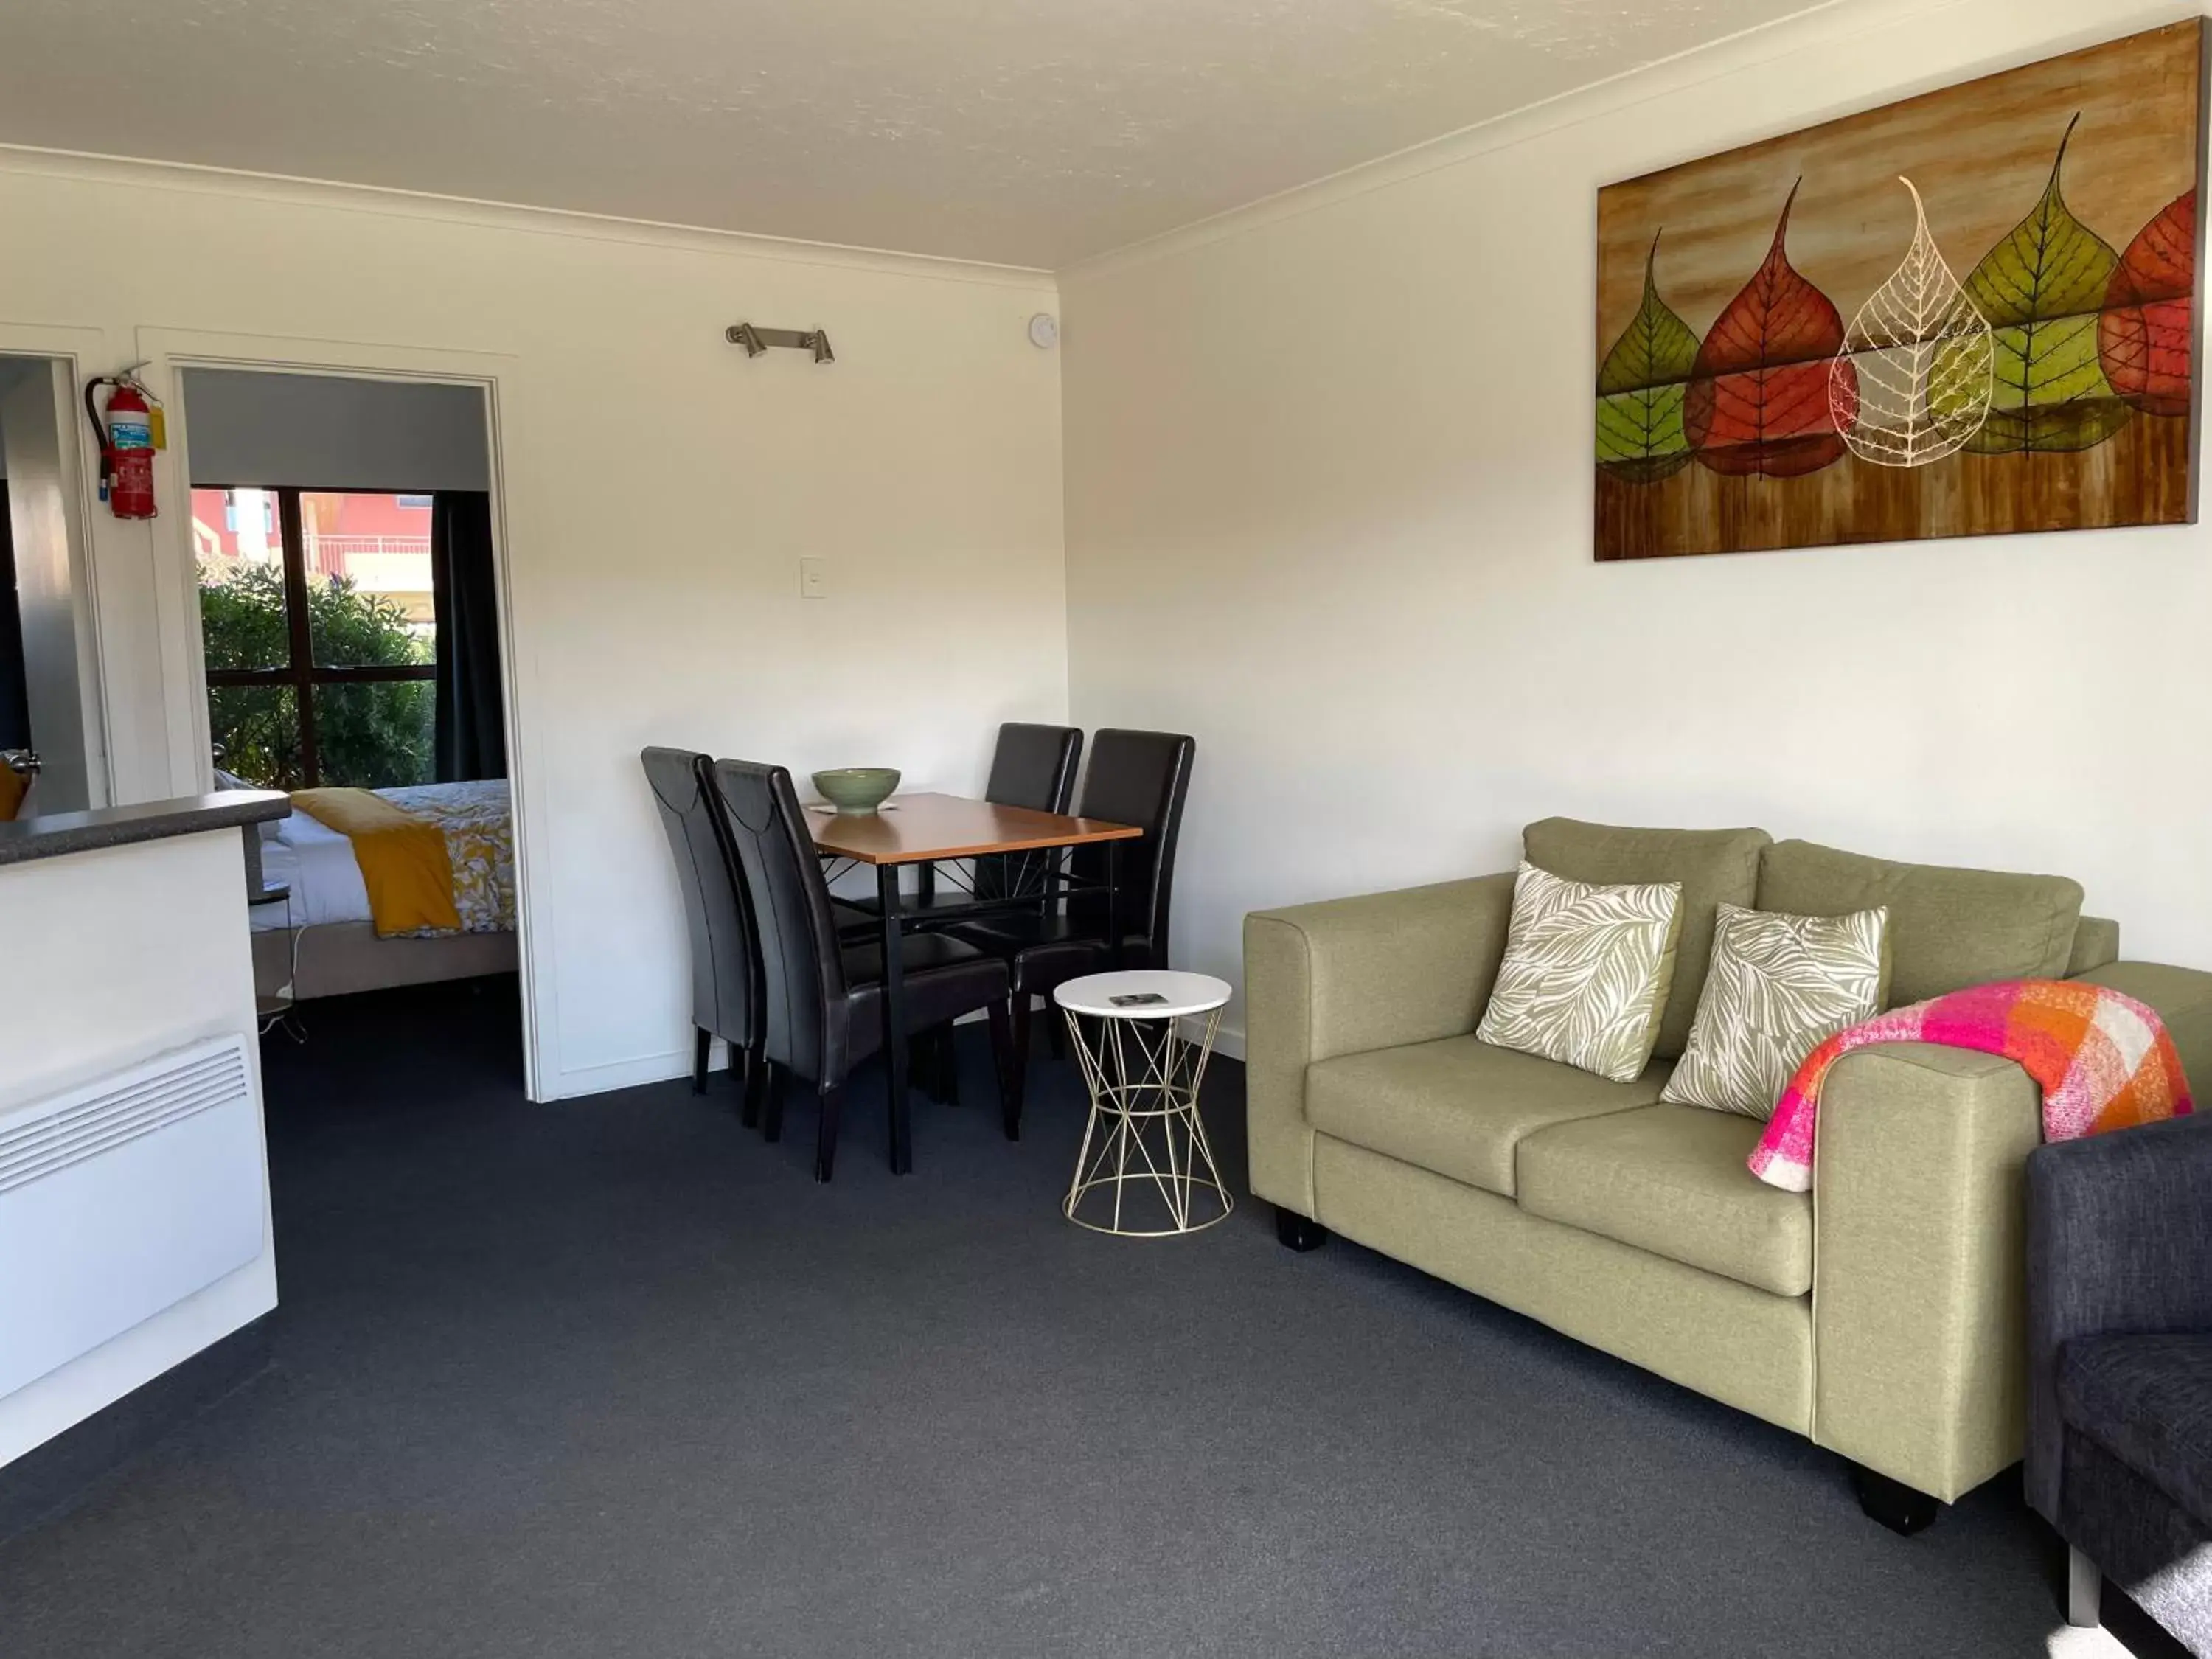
(348, 600)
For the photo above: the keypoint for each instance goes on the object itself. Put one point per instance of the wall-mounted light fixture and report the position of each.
(758, 340)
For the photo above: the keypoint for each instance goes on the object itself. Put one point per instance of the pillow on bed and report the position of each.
(227, 781)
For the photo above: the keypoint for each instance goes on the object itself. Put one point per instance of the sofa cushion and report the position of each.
(2147, 1401)
(1780, 986)
(1586, 971)
(1712, 865)
(1671, 1180)
(1947, 928)
(1458, 1106)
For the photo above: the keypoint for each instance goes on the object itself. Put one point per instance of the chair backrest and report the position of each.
(1032, 766)
(725, 953)
(807, 1013)
(1141, 777)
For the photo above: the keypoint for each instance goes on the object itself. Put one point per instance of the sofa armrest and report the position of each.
(2119, 1232)
(1918, 1308)
(2182, 997)
(1350, 974)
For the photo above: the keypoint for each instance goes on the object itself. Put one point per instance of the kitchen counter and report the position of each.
(56, 834)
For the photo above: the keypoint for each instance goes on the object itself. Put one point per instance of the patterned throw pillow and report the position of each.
(1586, 972)
(1780, 986)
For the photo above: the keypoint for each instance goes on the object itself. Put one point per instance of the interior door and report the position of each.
(54, 721)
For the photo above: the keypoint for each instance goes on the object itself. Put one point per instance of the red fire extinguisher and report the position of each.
(128, 440)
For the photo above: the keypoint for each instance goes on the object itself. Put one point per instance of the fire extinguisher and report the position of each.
(129, 438)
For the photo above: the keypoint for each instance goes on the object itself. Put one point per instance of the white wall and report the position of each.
(330, 432)
(1328, 509)
(660, 489)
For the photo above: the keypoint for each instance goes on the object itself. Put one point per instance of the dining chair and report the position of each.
(726, 974)
(1032, 766)
(1135, 777)
(823, 996)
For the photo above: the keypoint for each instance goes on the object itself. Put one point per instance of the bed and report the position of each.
(321, 938)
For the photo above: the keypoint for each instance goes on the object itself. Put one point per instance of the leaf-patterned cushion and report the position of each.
(1586, 972)
(1780, 986)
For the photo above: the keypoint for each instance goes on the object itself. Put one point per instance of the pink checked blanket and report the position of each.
(2103, 1060)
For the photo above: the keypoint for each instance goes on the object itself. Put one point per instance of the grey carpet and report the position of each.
(614, 1377)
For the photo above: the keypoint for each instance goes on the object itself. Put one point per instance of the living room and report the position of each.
(1298, 463)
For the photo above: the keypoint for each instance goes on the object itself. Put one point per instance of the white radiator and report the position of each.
(123, 1197)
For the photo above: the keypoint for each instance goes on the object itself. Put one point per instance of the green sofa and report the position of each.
(1880, 1316)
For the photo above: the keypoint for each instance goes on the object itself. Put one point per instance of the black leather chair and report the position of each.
(822, 1006)
(1031, 766)
(726, 976)
(1135, 777)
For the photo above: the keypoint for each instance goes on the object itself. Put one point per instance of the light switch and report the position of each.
(814, 579)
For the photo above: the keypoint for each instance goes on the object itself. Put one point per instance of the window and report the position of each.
(319, 618)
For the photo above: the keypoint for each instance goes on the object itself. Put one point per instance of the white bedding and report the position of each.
(317, 862)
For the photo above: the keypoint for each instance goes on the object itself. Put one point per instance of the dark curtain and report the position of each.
(15, 693)
(472, 726)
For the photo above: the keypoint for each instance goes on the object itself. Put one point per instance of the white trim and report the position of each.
(166, 351)
(129, 172)
(609, 1075)
(1815, 30)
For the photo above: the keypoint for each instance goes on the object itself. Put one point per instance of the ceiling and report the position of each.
(1028, 133)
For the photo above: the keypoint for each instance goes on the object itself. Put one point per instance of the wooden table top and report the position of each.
(918, 828)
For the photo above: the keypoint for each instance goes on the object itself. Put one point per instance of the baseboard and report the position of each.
(51, 1479)
(1228, 1042)
(572, 1083)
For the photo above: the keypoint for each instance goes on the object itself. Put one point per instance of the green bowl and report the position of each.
(857, 789)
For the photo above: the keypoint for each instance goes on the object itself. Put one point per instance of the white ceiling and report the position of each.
(1031, 132)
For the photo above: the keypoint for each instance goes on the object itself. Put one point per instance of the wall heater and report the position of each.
(123, 1197)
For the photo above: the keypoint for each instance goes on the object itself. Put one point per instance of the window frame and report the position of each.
(301, 673)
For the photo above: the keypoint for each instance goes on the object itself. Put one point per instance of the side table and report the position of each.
(1145, 1139)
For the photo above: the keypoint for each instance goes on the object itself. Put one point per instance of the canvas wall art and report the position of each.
(1972, 313)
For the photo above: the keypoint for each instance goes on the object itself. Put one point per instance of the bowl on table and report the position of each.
(853, 790)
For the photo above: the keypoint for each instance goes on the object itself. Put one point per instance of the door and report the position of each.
(44, 700)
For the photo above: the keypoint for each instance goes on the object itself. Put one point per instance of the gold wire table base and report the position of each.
(1145, 1137)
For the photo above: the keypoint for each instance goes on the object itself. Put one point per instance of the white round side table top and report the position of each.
(1159, 993)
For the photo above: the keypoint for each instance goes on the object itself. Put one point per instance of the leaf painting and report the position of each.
(1914, 380)
(2041, 288)
(1764, 397)
(2146, 337)
(1641, 386)
(2015, 354)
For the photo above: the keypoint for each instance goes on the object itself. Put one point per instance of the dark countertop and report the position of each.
(56, 834)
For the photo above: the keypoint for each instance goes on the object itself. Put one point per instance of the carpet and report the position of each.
(614, 1377)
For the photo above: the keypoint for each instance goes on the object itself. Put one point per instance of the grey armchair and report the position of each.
(2119, 1286)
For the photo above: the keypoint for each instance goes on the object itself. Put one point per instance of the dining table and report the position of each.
(924, 830)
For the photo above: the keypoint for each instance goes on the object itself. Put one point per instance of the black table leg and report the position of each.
(925, 884)
(1114, 904)
(901, 1126)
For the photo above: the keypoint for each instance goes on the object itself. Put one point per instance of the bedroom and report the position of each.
(349, 617)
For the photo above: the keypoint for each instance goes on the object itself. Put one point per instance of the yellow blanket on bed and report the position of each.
(403, 858)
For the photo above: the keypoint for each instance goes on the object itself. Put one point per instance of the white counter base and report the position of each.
(108, 958)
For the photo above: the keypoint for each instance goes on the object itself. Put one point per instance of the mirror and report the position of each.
(49, 713)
